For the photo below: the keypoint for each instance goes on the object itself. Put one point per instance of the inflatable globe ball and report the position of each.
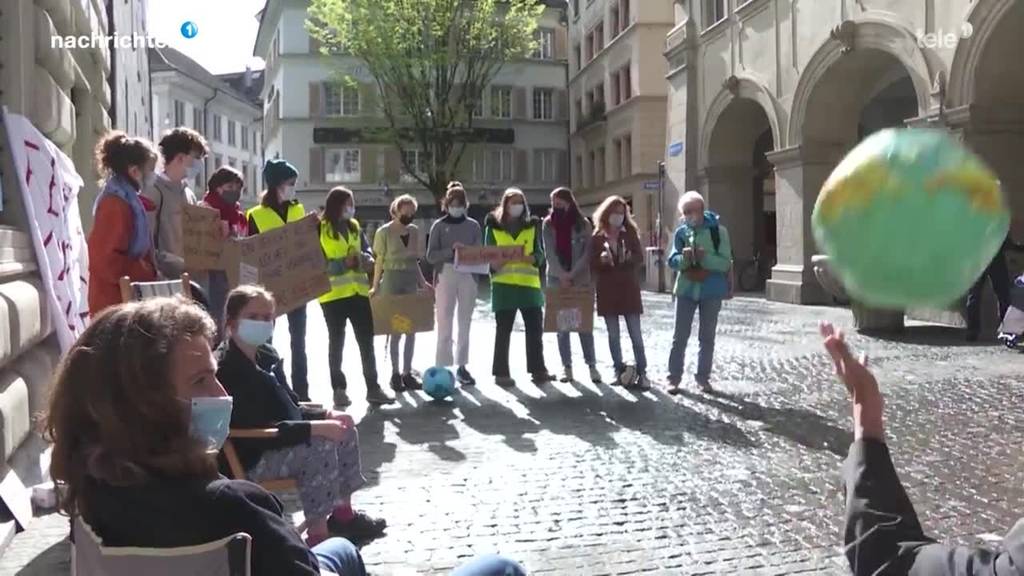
(910, 218)
(439, 383)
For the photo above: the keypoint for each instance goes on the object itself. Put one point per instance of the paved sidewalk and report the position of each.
(585, 479)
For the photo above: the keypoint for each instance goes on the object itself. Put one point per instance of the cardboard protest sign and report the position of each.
(402, 314)
(569, 310)
(288, 261)
(474, 255)
(204, 238)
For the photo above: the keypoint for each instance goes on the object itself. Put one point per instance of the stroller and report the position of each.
(1011, 331)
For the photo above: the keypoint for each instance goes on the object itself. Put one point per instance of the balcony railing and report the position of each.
(596, 116)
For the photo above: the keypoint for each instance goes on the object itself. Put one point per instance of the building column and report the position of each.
(728, 191)
(800, 172)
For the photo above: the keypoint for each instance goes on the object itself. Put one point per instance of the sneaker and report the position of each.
(397, 383)
(704, 386)
(361, 528)
(542, 378)
(376, 395)
(628, 376)
(595, 374)
(341, 398)
(673, 385)
(411, 382)
(504, 381)
(566, 375)
(464, 377)
(643, 383)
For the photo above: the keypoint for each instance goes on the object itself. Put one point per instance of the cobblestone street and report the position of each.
(585, 479)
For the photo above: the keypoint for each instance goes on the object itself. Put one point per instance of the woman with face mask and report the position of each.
(567, 246)
(516, 287)
(320, 448)
(279, 206)
(616, 257)
(120, 243)
(147, 477)
(456, 291)
(348, 261)
(396, 270)
(223, 191)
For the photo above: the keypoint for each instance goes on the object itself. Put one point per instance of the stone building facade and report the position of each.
(73, 96)
(322, 127)
(766, 96)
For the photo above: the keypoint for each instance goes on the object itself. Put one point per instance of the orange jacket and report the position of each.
(108, 242)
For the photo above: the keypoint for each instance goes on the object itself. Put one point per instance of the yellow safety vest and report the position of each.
(267, 219)
(352, 282)
(517, 273)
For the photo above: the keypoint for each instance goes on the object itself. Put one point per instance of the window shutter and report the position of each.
(314, 45)
(368, 161)
(562, 167)
(368, 99)
(316, 165)
(493, 166)
(560, 101)
(538, 174)
(392, 164)
(315, 101)
(521, 167)
(561, 44)
(519, 102)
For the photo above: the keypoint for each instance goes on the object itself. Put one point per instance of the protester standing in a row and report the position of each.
(616, 258)
(278, 206)
(349, 260)
(396, 271)
(455, 291)
(567, 247)
(120, 243)
(223, 191)
(516, 287)
(702, 254)
(998, 273)
(183, 151)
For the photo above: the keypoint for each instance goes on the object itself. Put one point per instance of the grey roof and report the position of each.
(168, 59)
(237, 81)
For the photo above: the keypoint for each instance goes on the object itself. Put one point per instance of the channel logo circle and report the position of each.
(189, 29)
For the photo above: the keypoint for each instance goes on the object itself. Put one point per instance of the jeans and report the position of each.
(685, 309)
(357, 310)
(490, 565)
(565, 348)
(615, 344)
(533, 318)
(409, 349)
(999, 274)
(339, 556)
(297, 332)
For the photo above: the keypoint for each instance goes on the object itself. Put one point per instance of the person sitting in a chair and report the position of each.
(318, 448)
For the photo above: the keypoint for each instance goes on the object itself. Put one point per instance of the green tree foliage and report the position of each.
(432, 60)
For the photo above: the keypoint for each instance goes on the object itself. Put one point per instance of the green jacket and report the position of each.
(503, 296)
(716, 286)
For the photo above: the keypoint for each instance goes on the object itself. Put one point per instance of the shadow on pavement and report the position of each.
(804, 427)
(56, 556)
(374, 452)
(492, 419)
(930, 336)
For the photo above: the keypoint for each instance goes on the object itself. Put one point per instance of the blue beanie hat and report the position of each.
(277, 171)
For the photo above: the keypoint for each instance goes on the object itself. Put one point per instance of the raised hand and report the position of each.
(860, 383)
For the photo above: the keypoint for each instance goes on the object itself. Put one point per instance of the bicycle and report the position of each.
(752, 274)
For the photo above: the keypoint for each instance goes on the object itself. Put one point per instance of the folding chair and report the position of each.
(134, 291)
(90, 557)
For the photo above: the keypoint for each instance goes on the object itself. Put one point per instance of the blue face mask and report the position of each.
(210, 420)
(255, 332)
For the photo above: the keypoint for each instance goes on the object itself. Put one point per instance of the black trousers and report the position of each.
(533, 318)
(999, 274)
(355, 309)
(297, 331)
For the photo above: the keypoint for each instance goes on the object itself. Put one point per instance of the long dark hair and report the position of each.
(334, 206)
(117, 152)
(565, 194)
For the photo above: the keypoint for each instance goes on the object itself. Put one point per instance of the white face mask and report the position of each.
(194, 169)
(288, 193)
(515, 210)
(457, 211)
(349, 213)
(616, 220)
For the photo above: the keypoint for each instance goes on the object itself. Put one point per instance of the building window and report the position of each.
(257, 139)
(617, 166)
(231, 132)
(714, 12)
(218, 161)
(623, 16)
(613, 79)
(579, 170)
(218, 130)
(245, 174)
(625, 85)
(592, 173)
(545, 38)
(627, 156)
(344, 165)
(614, 20)
(599, 175)
(546, 169)
(232, 162)
(197, 119)
(579, 110)
(501, 102)
(341, 100)
(588, 46)
(577, 52)
(416, 160)
(505, 160)
(598, 38)
(245, 137)
(543, 104)
(179, 113)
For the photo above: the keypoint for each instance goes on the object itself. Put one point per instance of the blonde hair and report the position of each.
(455, 193)
(499, 212)
(403, 200)
(240, 297)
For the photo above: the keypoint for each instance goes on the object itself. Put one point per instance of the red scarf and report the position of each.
(564, 225)
(230, 213)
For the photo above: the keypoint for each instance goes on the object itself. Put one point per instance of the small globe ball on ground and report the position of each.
(439, 382)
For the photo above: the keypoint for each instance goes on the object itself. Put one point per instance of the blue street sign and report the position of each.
(652, 185)
(675, 149)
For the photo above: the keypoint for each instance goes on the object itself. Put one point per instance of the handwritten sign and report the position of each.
(474, 255)
(204, 238)
(569, 309)
(402, 314)
(288, 261)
